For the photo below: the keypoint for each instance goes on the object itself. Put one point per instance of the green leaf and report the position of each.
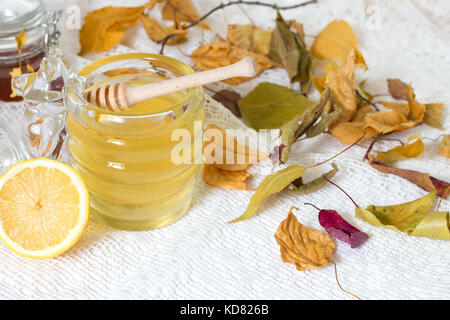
(323, 124)
(269, 106)
(289, 49)
(287, 133)
(413, 218)
(297, 187)
(272, 184)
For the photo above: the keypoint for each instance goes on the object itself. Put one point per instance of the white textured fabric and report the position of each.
(203, 257)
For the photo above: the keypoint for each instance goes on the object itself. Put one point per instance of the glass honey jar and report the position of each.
(125, 158)
(41, 32)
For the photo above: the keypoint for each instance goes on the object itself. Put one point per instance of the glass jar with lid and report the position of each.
(40, 28)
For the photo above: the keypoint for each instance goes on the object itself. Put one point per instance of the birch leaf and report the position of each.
(335, 43)
(216, 177)
(157, 32)
(220, 53)
(182, 10)
(444, 146)
(269, 106)
(303, 247)
(249, 37)
(433, 115)
(409, 150)
(297, 187)
(398, 89)
(434, 225)
(272, 184)
(105, 28)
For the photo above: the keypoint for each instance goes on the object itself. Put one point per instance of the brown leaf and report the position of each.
(423, 180)
(304, 247)
(249, 37)
(221, 53)
(157, 32)
(182, 10)
(104, 28)
(216, 177)
(342, 85)
(444, 147)
(229, 99)
(398, 89)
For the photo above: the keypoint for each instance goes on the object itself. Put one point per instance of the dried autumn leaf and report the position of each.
(416, 109)
(289, 50)
(349, 132)
(422, 180)
(272, 184)
(157, 32)
(229, 99)
(341, 82)
(21, 38)
(104, 28)
(269, 106)
(221, 53)
(409, 150)
(398, 89)
(335, 42)
(303, 247)
(216, 177)
(319, 81)
(249, 37)
(340, 229)
(182, 10)
(298, 187)
(408, 217)
(433, 115)
(444, 146)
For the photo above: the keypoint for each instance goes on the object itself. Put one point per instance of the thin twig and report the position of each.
(337, 280)
(164, 40)
(370, 147)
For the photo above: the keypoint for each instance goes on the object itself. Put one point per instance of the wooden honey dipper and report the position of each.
(121, 96)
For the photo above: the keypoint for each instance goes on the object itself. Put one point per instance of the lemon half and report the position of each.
(44, 208)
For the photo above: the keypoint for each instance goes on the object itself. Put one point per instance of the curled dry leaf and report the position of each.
(182, 10)
(433, 115)
(422, 180)
(272, 184)
(221, 53)
(335, 43)
(413, 217)
(398, 89)
(303, 247)
(340, 229)
(249, 37)
(298, 187)
(444, 146)
(289, 50)
(409, 150)
(104, 28)
(216, 177)
(156, 31)
(269, 106)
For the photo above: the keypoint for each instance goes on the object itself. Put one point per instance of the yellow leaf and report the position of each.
(416, 109)
(409, 150)
(216, 177)
(398, 107)
(303, 247)
(350, 132)
(319, 82)
(250, 38)
(384, 121)
(220, 54)
(104, 28)
(157, 32)
(335, 42)
(21, 38)
(444, 147)
(342, 85)
(182, 10)
(433, 115)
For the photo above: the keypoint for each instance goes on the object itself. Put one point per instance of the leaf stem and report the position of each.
(310, 204)
(334, 184)
(340, 287)
(164, 40)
